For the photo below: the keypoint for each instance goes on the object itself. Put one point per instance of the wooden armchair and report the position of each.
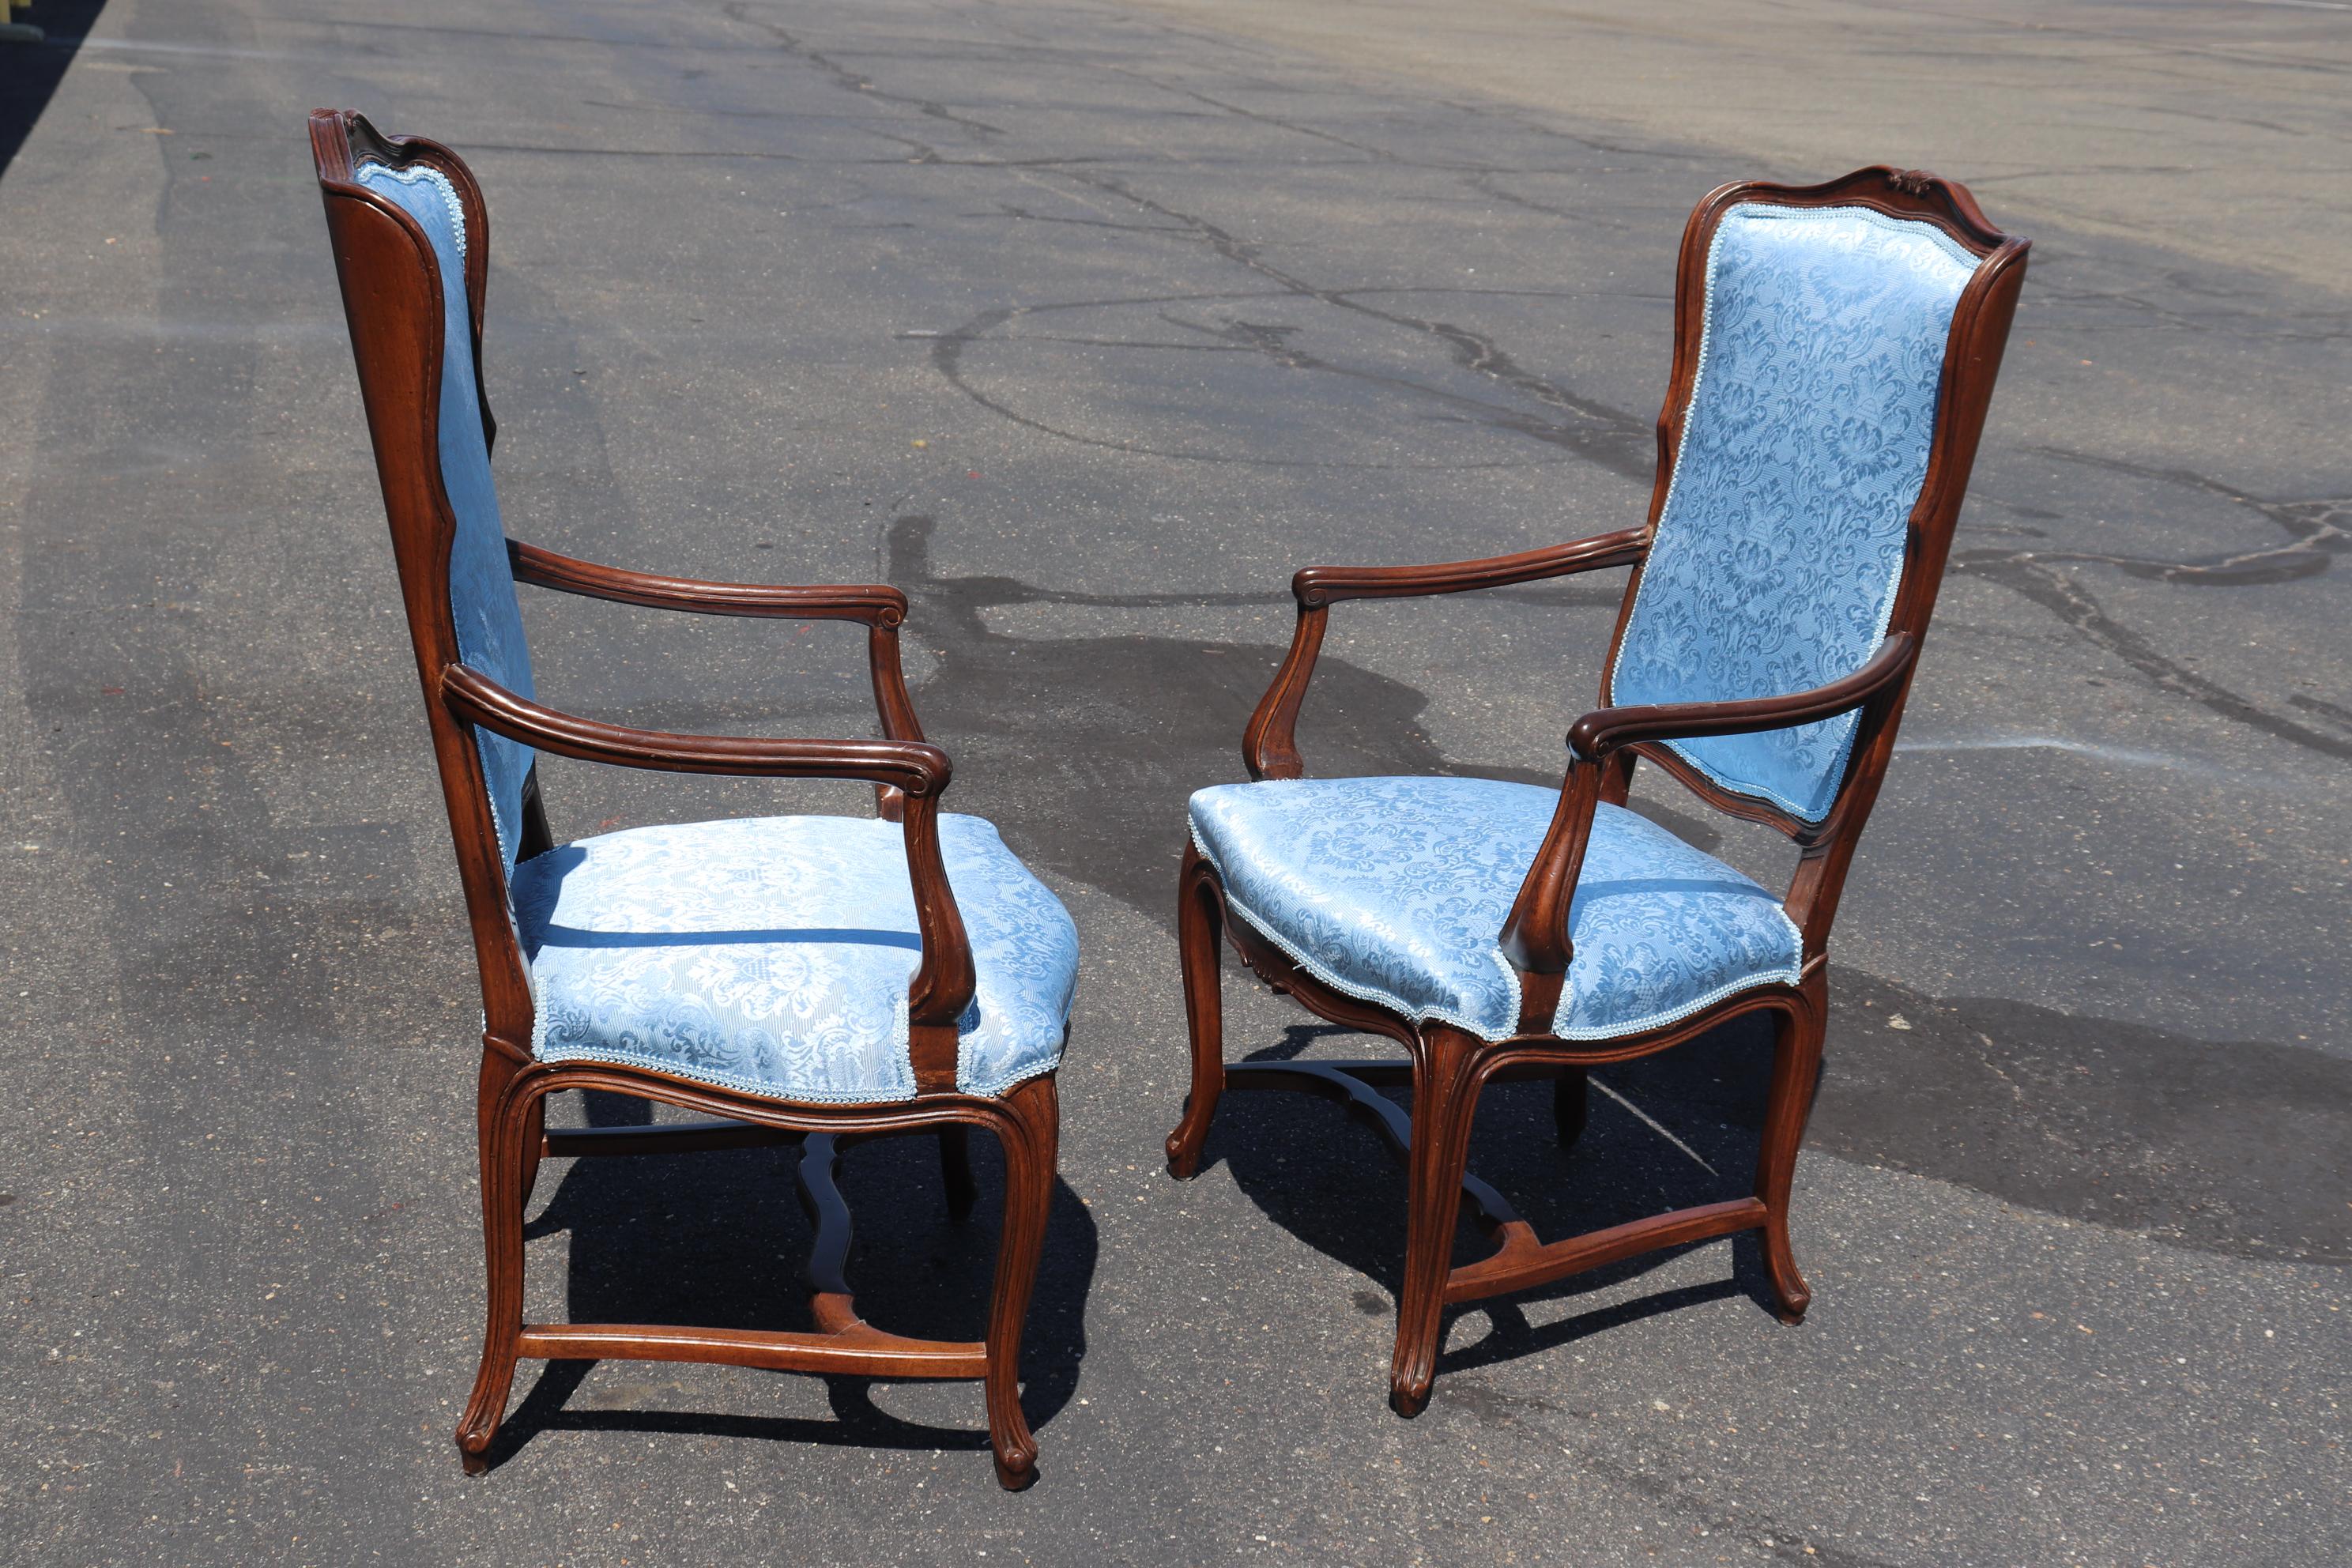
(801, 979)
(1835, 348)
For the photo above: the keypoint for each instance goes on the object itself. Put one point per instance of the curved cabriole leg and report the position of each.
(1796, 1064)
(955, 1171)
(1030, 1134)
(1199, 916)
(1445, 1099)
(504, 1125)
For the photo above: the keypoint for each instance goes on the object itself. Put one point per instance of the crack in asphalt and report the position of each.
(1609, 437)
(947, 351)
(2063, 596)
(1586, 428)
(856, 82)
(1690, 1494)
(2316, 536)
(1591, 429)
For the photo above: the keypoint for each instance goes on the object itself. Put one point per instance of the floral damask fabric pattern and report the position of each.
(481, 583)
(772, 955)
(1804, 449)
(1395, 890)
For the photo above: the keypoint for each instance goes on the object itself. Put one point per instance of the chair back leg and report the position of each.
(1569, 1092)
(955, 1171)
(1200, 922)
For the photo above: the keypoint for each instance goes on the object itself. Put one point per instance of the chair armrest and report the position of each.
(919, 772)
(1605, 730)
(1535, 937)
(915, 767)
(881, 608)
(1329, 585)
(1269, 746)
(874, 604)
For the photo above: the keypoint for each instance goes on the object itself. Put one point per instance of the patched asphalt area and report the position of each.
(1086, 325)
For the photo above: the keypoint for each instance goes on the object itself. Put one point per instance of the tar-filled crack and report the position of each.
(1585, 428)
(1023, 214)
(1487, 183)
(1695, 1497)
(2072, 604)
(1593, 430)
(854, 82)
(1588, 427)
(947, 352)
(1379, 154)
(2315, 534)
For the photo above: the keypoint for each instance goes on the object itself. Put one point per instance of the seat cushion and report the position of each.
(1395, 890)
(773, 954)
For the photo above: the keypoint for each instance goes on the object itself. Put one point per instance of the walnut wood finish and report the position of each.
(1448, 1068)
(393, 301)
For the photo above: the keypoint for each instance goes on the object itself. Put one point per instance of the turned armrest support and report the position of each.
(918, 771)
(1534, 938)
(1269, 746)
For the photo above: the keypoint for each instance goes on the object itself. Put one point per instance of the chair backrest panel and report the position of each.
(482, 602)
(1805, 443)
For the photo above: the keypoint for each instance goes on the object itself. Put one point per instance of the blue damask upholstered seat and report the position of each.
(772, 956)
(1395, 890)
(1803, 451)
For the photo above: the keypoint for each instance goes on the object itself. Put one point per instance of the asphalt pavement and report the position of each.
(1085, 323)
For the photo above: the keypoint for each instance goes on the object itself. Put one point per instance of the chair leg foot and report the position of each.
(1408, 1402)
(478, 1427)
(1791, 1294)
(1199, 914)
(1184, 1147)
(1017, 1473)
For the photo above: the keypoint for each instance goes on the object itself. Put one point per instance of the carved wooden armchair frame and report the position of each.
(393, 296)
(1449, 1066)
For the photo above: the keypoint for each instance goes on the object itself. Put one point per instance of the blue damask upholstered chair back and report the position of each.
(481, 583)
(1804, 447)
